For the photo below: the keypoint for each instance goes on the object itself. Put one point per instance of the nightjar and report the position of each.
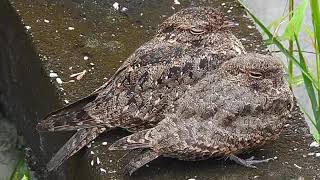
(188, 45)
(240, 106)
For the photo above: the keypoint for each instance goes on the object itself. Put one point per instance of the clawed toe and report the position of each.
(250, 162)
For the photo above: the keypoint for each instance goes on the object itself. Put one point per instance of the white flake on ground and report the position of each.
(53, 75)
(66, 101)
(28, 27)
(176, 2)
(116, 6)
(124, 9)
(275, 157)
(71, 28)
(85, 58)
(98, 160)
(103, 170)
(317, 154)
(314, 144)
(92, 162)
(46, 20)
(91, 152)
(59, 81)
(104, 143)
(229, 11)
(299, 167)
(310, 154)
(223, 4)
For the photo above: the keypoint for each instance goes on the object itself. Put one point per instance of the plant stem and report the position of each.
(290, 66)
(314, 4)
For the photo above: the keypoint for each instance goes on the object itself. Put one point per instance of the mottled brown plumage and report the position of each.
(188, 45)
(238, 107)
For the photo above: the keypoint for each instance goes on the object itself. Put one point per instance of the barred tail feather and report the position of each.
(135, 141)
(71, 117)
(73, 145)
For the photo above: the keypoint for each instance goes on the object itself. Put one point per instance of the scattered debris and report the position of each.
(103, 170)
(91, 152)
(66, 101)
(59, 81)
(116, 6)
(98, 160)
(176, 2)
(124, 9)
(299, 167)
(28, 27)
(311, 154)
(111, 172)
(79, 75)
(53, 75)
(275, 157)
(314, 144)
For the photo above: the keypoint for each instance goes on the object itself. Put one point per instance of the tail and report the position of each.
(69, 118)
(137, 140)
(74, 144)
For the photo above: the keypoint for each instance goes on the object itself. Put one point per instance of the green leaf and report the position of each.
(296, 81)
(308, 85)
(309, 32)
(21, 171)
(282, 48)
(25, 177)
(295, 24)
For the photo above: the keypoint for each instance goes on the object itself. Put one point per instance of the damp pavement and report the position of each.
(55, 52)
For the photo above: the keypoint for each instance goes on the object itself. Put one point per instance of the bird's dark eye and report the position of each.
(197, 31)
(256, 75)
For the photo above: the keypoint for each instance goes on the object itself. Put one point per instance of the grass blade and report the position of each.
(307, 74)
(309, 86)
(296, 20)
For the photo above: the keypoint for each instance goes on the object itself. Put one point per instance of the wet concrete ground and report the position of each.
(93, 37)
(8, 148)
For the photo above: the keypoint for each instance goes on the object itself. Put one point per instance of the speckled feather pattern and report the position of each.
(161, 82)
(240, 106)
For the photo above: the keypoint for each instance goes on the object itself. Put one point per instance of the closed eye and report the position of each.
(197, 31)
(256, 75)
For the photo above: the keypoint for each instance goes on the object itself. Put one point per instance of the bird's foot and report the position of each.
(250, 162)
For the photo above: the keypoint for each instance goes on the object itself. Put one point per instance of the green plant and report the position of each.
(310, 80)
(21, 171)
